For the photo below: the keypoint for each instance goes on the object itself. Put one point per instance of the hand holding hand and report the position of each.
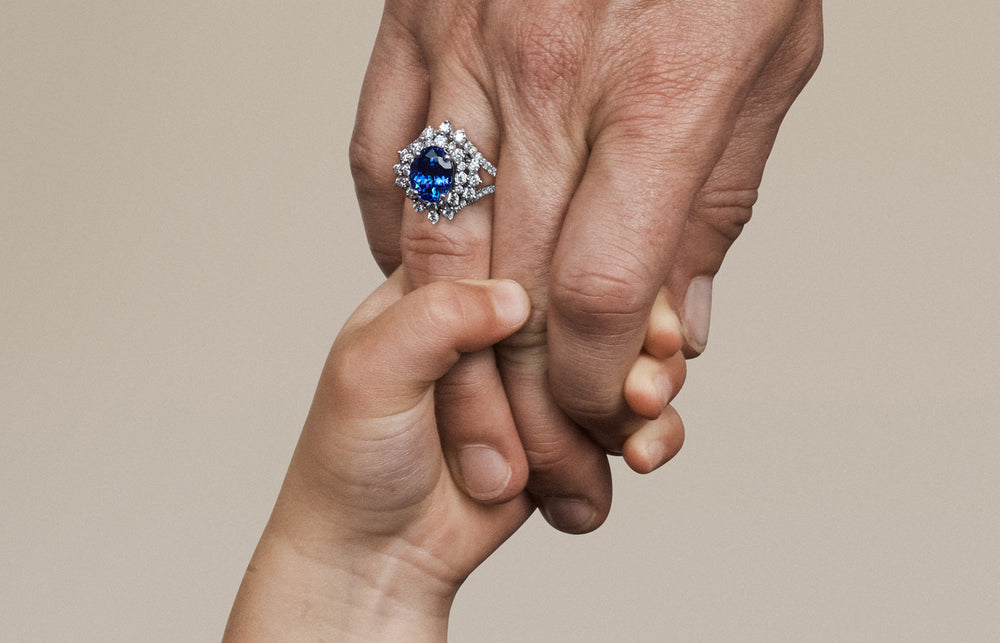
(370, 536)
(630, 138)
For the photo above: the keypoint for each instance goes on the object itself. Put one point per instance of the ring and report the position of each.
(440, 172)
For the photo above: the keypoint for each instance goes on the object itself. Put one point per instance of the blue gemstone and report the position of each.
(432, 174)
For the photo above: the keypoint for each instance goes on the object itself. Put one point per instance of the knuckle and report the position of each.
(347, 372)
(602, 418)
(529, 345)
(548, 455)
(430, 254)
(542, 53)
(812, 49)
(443, 307)
(454, 392)
(803, 48)
(386, 256)
(601, 411)
(368, 170)
(666, 81)
(599, 296)
(683, 63)
(383, 242)
(725, 211)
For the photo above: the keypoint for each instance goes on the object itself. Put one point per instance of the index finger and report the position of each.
(614, 253)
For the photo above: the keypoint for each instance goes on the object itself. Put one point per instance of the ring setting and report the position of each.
(440, 172)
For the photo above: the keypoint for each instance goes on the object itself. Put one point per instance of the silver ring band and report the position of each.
(440, 172)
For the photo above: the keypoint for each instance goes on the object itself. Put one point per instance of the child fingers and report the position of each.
(652, 383)
(664, 334)
(417, 339)
(655, 443)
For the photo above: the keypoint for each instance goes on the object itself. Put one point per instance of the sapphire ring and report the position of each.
(440, 172)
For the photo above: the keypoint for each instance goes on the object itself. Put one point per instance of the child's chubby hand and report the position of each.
(370, 450)
(369, 523)
(655, 378)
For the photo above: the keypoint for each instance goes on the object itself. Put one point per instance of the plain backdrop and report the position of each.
(179, 244)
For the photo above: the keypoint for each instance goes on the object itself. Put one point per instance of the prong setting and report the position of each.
(440, 172)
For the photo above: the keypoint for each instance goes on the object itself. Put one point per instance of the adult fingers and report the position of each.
(724, 204)
(458, 248)
(654, 154)
(477, 430)
(392, 107)
(613, 254)
(570, 476)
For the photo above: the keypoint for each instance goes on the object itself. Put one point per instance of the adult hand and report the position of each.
(630, 138)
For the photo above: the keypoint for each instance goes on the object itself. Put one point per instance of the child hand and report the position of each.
(370, 535)
(656, 377)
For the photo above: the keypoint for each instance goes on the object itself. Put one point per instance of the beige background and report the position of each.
(179, 244)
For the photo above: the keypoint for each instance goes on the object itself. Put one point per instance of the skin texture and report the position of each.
(630, 139)
(370, 537)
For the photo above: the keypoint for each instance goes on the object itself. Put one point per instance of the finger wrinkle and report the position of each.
(523, 352)
(726, 212)
(427, 252)
(548, 454)
(592, 408)
(611, 284)
(543, 55)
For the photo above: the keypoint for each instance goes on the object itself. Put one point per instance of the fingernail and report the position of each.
(656, 453)
(665, 388)
(568, 514)
(665, 335)
(698, 312)
(484, 471)
(510, 301)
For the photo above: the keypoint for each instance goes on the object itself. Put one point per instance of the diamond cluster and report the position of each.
(465, 162)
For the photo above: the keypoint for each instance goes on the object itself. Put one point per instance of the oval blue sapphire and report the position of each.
(432, 174)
